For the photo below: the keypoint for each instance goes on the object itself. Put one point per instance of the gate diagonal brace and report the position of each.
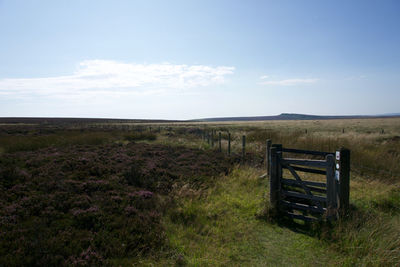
(306, 189)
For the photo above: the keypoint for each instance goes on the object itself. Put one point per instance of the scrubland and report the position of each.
(159, 194)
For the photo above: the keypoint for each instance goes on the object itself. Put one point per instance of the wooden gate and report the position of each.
(314, 199)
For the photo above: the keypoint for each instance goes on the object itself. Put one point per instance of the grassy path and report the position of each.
(221, 226)
(222, 229)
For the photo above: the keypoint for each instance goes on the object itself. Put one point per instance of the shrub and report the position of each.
(137, 136)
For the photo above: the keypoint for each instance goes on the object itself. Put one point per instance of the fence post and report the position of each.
(229, 144)
(331, 186)
(344, 179)
(275, 173)
(268, 155)
(273, 181)
(243, 146)
(212, 138)
(219, 142)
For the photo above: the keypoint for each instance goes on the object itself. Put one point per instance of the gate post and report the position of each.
(275, 176)
(343, 160)
(331, 189)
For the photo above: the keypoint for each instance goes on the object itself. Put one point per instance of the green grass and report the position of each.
(223, 229)
(225, 226)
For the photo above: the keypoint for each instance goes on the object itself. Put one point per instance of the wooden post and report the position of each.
(208, 138)
(243, 147)
(212, 138)
(219, 142)
(275, 174)
(343, 130)
(268, 155)
(229, 144)
(331, 186)
(273, 181)
(343, 159)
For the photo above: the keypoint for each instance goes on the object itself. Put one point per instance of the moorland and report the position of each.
(104, 192)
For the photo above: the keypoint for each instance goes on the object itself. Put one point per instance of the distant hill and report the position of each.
(283, 116)
(43, 120)
(295, 116)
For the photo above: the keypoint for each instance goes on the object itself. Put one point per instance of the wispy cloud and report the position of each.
(287, 82)
(104, 76)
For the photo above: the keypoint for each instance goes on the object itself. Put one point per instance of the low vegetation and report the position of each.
(160, 194)
(84, 205)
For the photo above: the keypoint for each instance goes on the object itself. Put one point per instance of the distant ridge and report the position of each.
(52, 120)
(295, 116)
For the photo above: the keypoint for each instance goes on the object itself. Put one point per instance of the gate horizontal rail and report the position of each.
(304, 196)
(305, 162)
(302, 206)
(315, 171)
(307, 152)
(309, 184)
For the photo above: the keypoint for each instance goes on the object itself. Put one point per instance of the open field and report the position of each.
(118, 193)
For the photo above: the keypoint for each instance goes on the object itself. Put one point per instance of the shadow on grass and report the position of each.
(322, 228)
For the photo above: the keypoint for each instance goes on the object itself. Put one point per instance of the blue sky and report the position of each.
(195, 59)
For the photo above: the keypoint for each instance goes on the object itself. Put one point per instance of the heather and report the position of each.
(84, 205)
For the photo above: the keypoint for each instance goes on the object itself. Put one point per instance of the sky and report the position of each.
(198, 59)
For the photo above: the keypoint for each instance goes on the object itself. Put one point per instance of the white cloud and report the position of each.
(264, 77)
(289, 82)
(109, 77)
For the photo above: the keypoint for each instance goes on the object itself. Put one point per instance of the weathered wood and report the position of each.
(304, 162)
(311, 183)
(300, 206)
(301, 217)
(303, 196)
(344, 180)
(274, 179)
(267, 154)
(307, 152)
(219, 142)
(291, 182)
(229, 144)
(301, 183)
(316, 171)
(331, 186)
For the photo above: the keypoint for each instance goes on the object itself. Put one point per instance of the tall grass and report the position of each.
(373, 155)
